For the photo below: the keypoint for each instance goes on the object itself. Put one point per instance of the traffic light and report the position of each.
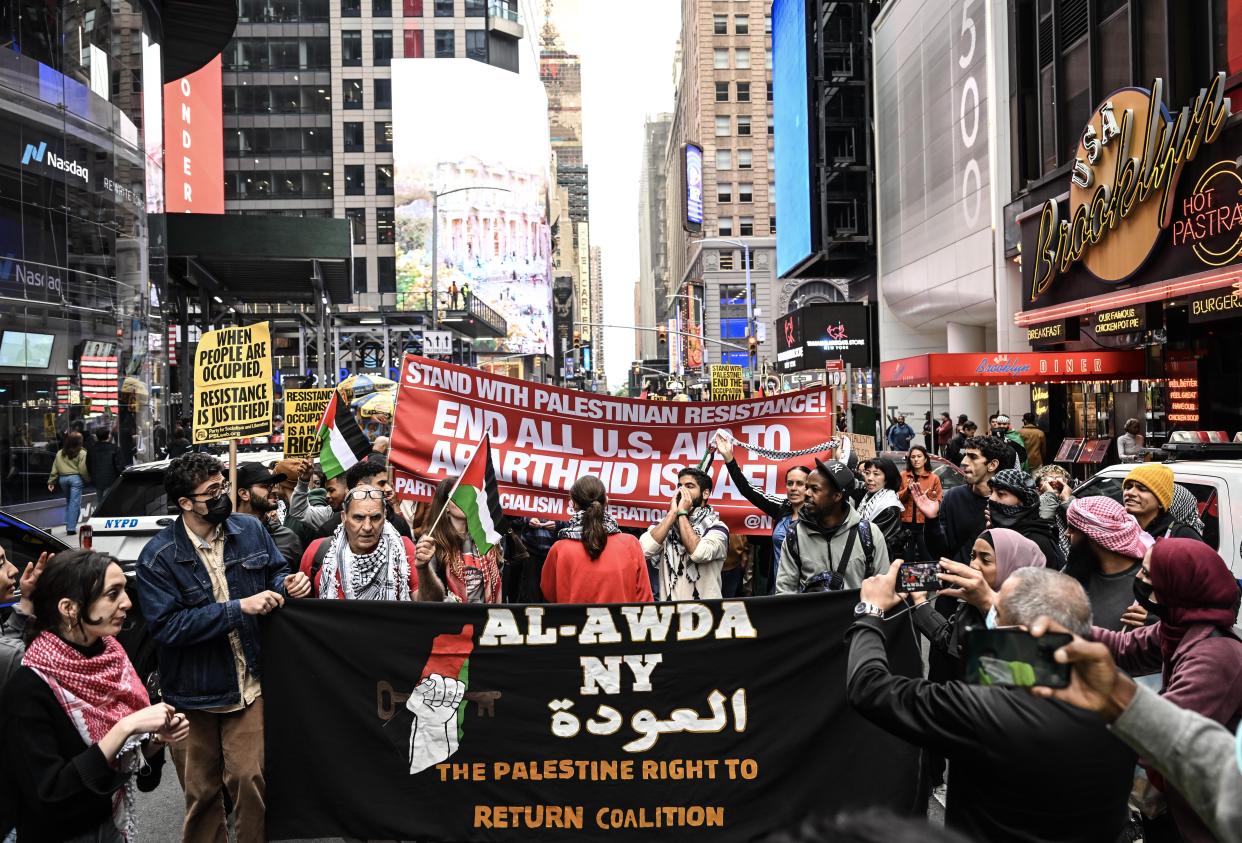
(577, 340)
(662, 334)
(752, 344)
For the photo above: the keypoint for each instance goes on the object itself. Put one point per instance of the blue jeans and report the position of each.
(71, 485)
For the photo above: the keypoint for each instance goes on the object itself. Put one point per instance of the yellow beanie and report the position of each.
(1156, 477)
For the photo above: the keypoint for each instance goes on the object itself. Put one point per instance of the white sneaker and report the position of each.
(940, 794)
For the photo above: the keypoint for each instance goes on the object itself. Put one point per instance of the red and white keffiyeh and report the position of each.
(1107, 523)
(95, 693)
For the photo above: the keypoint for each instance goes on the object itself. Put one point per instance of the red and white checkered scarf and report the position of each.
(95, 693)
(1107, 523)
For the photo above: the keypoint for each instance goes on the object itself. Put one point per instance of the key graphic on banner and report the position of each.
(233, 384)
(303, 410)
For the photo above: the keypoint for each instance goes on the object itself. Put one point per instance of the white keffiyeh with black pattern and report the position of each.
(382, 574)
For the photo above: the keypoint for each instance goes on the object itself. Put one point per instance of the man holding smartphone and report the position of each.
(1021, 768)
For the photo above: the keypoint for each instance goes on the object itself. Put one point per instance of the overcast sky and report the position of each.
(627, 49)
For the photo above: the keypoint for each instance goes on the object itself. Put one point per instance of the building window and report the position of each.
(771, 225)
(353, 93)
(741, 24)
(746, 192)
(412, 8)
(383, 180)
(722, 92)
(381, 46)
(745, 159)
(743, 125)
(725, 227)
(355, 180)
(413, 43)
(386, 274)
(720, 24)
(358, 222)
(446, 47)
(771, 125)
(1076, 92)
(351, 48)
(724, 159)
(383, 93)
(724, 193)
(351, 8)
(476, 8)
(743, 92)
(746, 227)
(476, 45)
(722, 126)
(381, 8)
(726, 260)
(444, 8)
(769, 92)
(720, 58)
(1154, 40)
(385, 227)
(383, 136)
(748, 258)
(1114, 37)
(360, 275)
(771, 160)
(767, 24)
(741, 58)
(353, 137)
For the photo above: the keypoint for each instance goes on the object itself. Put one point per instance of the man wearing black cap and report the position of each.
(830, 547)
(254, 497)
(1014, 505)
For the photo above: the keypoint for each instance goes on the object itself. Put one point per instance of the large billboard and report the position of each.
(796, 233)
(463, 130)
(809, 337)
(931, 137)
(194, 142)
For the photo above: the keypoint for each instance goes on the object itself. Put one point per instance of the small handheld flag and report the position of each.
(342, 444)
(478, 496)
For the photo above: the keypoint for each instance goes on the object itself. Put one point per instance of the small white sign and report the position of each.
(437, 342)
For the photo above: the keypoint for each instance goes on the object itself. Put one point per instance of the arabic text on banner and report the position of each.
(544, 438)
(718, 720)
(233, 384)
(303, 412)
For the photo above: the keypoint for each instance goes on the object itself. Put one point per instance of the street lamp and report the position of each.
(435, 244)
(750, 308)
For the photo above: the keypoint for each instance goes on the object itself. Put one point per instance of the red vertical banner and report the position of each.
(194, 142)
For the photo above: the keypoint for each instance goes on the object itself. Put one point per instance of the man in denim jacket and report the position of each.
(203, 580)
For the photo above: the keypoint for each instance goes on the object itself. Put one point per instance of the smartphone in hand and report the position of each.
(1013, 657)
(918, 576)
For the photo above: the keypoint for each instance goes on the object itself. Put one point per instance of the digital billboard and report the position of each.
(810, 336)
(462, 130)
(692, 181)
(795, 234)
(194, 142)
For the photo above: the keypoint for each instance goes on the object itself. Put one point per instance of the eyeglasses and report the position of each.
(363, 494)
(213, 492)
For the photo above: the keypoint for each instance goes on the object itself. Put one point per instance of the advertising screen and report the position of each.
(692, 169)
(26, 351)
(795, 237)
(194, 142)
(465, 134)
(810, 336)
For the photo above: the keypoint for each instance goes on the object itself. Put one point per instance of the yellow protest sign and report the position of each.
(726, 382)
(303, 410)
(233, 384)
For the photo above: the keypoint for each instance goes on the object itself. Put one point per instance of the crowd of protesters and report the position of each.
(1132, 581)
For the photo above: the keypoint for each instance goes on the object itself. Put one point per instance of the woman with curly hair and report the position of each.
(468, 575)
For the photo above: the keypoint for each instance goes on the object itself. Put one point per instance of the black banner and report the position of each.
(721, 719)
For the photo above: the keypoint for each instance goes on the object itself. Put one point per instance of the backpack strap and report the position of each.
(321, 553)
(868, 543)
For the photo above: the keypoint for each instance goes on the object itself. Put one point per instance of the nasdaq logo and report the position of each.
(35, 152)
(38, 153)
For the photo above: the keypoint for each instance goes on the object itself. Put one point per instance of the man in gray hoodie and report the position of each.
(829, 547)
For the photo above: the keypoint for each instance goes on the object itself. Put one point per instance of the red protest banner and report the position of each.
(544, 438)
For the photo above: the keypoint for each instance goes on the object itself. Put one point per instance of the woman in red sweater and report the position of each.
(594, 562)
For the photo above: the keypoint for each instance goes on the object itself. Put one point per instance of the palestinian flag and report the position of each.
(342, 444)
(450, 656)
(479, 497)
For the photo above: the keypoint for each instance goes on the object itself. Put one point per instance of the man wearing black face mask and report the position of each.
(1014, 505)
(203, 580)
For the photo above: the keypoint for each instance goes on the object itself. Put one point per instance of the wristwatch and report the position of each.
(865, 608)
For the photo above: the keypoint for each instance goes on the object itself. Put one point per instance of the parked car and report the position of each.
(1216, 483)
(136, 508)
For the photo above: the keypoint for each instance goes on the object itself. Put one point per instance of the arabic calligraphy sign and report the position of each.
(659, 722)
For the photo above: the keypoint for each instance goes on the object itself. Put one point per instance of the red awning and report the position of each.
(982, 369)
